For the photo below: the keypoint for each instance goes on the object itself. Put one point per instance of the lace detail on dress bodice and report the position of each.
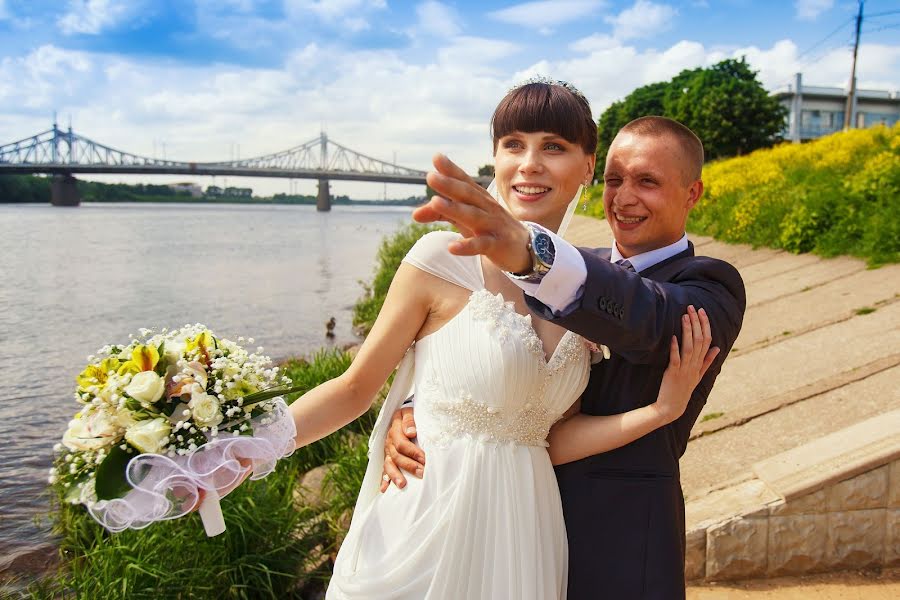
(523, 419)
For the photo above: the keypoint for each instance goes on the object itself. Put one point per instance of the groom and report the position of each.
(624, 509)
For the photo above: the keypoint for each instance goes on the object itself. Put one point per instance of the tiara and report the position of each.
(549, 81)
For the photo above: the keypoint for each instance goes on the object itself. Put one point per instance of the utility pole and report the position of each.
(851, 97)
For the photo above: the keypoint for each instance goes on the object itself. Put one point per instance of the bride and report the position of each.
(485, 520)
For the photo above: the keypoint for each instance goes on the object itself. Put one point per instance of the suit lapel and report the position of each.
(648, 272)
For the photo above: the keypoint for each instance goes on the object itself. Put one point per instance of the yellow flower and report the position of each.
(203, 343)
(97, 375)
(143, 358)
(205, 340)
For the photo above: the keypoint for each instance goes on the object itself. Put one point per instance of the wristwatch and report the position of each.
(542, 251)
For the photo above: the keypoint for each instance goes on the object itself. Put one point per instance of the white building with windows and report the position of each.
(816, 111)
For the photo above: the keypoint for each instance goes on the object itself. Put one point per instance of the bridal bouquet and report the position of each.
(162, 424)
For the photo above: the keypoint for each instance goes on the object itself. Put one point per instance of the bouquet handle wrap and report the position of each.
(211, 514)
(166, 487)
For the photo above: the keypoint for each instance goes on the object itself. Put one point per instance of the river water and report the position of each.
(74, 279)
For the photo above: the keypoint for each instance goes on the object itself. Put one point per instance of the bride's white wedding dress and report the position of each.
(486, 520)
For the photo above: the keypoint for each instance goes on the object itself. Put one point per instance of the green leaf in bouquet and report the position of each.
(270, 393)
(162, 364)
(132, 404)
(173, 403)
(111, 481)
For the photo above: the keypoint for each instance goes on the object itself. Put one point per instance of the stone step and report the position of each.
(802, 311)
(742, 256)
(778, 368)
(782, 263)
(800, 280)
(729, 454)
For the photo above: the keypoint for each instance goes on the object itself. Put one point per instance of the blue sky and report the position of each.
(212, 79)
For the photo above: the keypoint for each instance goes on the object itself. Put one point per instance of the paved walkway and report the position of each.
(819, 351)
(850, 585)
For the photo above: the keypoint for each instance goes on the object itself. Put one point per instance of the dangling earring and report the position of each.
(584, 197)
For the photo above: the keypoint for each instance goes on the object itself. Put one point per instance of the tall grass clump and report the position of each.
(838, 195)
(275, 545)
(390, 255)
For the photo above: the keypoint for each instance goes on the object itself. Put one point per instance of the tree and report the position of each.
(725, 105)
(646, 100)
(486, 170)
(24, 188)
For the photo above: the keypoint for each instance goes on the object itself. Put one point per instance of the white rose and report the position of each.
(83, 434)
(146, 387)
(124, 418)
(150, 435)
(205, 409)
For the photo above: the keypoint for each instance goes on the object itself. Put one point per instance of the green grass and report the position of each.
(711, 416)
(865, 310)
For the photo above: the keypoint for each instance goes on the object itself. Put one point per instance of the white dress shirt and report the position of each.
(563, 285)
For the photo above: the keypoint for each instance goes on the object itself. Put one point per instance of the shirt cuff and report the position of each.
(563, 283)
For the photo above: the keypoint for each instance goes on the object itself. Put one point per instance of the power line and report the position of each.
(882, 28)
(883, 14)
(826, 38)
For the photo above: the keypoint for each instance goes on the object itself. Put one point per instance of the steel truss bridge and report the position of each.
(65, 153)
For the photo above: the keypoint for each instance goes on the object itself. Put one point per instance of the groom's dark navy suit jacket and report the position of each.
(624, 509)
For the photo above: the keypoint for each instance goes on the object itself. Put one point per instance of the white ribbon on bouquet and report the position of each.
(170, 487)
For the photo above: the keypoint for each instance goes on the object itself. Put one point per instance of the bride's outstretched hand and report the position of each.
(687, 365)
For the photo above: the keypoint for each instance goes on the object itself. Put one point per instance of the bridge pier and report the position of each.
(323, 201)
(64, 190)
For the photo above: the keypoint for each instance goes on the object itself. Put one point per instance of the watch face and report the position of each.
(544, 248)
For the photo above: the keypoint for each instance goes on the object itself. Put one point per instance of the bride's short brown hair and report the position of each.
(542, 106)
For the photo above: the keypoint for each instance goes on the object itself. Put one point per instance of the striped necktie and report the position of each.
(624, 263)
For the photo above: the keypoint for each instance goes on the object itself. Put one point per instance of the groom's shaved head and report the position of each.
(690, 145)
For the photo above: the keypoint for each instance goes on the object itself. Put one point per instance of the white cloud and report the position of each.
(808, 10)
(348, 14)
(437, 19)
(643, 19)
(94, 16)
(878, 66)
(239, 29)
(594, 43)
(545, 15)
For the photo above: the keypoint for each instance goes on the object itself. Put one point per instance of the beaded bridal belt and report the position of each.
(526, 425)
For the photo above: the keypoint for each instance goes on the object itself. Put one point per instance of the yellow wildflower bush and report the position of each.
(836, 195)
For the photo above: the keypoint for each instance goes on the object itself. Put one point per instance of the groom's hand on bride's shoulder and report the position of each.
(400, 452)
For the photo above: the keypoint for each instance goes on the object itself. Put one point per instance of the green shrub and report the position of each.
(390, 255)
